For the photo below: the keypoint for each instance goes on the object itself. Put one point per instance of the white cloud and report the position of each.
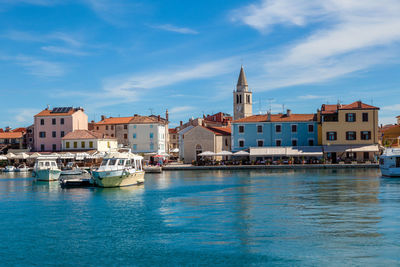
(180, 109)
(311, 97)
(346, 37)
(41, 68)
(172, 28)
(395, 107)
(63, 50)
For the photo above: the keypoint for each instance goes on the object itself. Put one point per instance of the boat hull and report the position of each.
(47, 175)
(390, 172)
(117, 178)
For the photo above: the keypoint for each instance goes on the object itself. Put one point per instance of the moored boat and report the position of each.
(46, 169)
(119, 169)
(9, 169)
(389, 162)
(22, 168)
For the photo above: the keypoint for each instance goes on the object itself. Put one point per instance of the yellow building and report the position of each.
(349, 132)
(391, 135)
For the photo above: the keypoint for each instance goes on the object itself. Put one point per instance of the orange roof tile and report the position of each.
(328, 109)
(10, 135)
(118, 120)
(133, 120)
(20, 129)
(173, 131)
(219, 130)
(84, 134)
(279, 118)
(358, 105)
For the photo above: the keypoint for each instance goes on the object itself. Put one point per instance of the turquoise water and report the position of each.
(236, 218)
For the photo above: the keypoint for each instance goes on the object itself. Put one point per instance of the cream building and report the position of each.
(349, 131)
(200, 139)
(81, 140)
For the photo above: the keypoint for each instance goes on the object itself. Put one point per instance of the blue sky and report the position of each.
(121, 58)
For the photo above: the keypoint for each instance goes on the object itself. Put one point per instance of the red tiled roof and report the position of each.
(10, 135)
(84, 134)
(20, 129)
(133, 119)
(173, 131)
(279, 118)
(219, 130)
(358, 105)
(328, 109)
(111, 120)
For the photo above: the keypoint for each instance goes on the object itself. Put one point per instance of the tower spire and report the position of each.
(242, 81)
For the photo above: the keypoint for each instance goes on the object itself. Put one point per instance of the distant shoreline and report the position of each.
(262, 167)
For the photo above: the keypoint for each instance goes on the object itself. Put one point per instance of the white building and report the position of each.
(81, 140)
(148, 135)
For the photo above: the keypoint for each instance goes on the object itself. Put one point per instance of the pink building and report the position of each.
(52, 125)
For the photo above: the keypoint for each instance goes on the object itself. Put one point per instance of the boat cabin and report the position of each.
(122, 163)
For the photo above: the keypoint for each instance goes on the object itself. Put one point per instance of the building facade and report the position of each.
(390, 135)
(84, 140)
(349, 132)
(271, 130)
(200, 139)
(50, 126)
(173, 139)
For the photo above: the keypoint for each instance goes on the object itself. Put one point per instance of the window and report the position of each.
(97, 127)
(241, 143)
(248, 99)
(259, 129)
(112, 135)
(294, 142)
(53, 121)
(75, 144)
(83, 144)
(121, 162)
(310, 142)
(331, 136)
(42, 134)
(41, 147)
(278, 128)
(151, 146)
(260, 142)
(134, 147)
(365, 135)
(294, 128)
(67, 144)
(134, 126)
(226, 141)
(108, 144)
(350, 135)
(365, 116)
(41, 121)
(62, 121)
(278, 142)
(310, 128)
(151, 125)
(134, 136)
(90, 144)
(54, 147)
(125, 126)
(62, 134)
(173, 136)
(106, 127)
(54, 134)
(112, 127)
(125, 136)
(350, 117)
(151, 135)
(241, 129)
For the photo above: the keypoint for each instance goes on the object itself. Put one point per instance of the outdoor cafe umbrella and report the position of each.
(3, 157)
(224, 153)
(241, 153)
(21, 156)
(175, 150)
(206, 154)
(10, 156)
(34, 155)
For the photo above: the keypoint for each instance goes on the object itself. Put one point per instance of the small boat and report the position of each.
(46, 169)
(9, 169)
(76, 182)
(119, 169)
(389, 162)
(22, 168)
(72, 169)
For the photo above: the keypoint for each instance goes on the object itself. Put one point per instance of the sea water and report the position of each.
(235, 218)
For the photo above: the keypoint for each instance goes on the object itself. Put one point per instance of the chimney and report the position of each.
(288, 112)
(48, 107)
(135, 115)
(359, 103)
(8, 129)
(158, 117)
(167, 115)
(103, 117)
(180, 123)
(268, 116)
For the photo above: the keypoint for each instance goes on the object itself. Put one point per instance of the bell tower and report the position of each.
(242, 98)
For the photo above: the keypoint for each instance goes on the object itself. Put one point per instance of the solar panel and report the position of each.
(61, 109)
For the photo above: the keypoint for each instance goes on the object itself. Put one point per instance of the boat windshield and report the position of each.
(40, 164)
(112, 162)
(53, 164)
(47, 164)
(128, 163)
(121, 162)
(104, 163)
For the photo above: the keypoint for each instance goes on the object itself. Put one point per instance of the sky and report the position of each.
(119, 58)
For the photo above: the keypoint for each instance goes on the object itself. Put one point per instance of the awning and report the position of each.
(351, 148)
(241, 153)
(224, 153)
(310, 151)
(206, 154)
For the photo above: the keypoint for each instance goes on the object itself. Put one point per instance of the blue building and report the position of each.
(270, 130)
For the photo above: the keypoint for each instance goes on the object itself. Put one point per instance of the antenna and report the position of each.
(270, 104)
(151, 111)
(259, 106)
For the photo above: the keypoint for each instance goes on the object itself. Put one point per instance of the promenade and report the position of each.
(189, 167)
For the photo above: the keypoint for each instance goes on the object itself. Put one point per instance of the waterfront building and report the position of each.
(85, 140)
(390, 134)
(30, 135)
(275, 130)
(50, 126)
(200, 138)
(242, 98)
(173, 139)
(11, 140)
(349, 132)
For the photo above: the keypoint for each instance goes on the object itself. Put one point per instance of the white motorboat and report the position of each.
(22, 168)
(389, 162)
(46, 169)
(9, 169)
(72, 169)
(119, 169)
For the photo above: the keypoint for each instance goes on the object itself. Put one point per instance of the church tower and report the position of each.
(242, 98)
